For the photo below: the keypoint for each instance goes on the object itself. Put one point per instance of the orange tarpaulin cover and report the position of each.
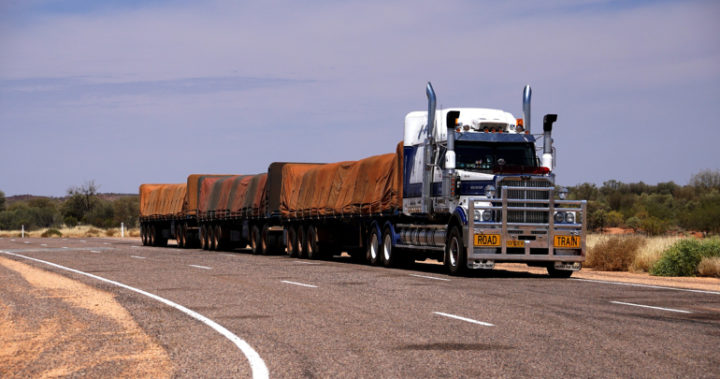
(371, 185)
(161, 199)
(236, 194)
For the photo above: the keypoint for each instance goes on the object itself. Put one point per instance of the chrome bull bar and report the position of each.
(512, 241)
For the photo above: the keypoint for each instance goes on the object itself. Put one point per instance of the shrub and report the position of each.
(709, 266)
(92, 232)
(683, 258)
(70, 221)
(616, 253)
(110, 232)
(51, 232)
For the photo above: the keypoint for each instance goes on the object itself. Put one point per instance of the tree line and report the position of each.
(651, 209)
(654, 209)
(82, 205)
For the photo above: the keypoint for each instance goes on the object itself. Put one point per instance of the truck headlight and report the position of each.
(487, 216)
(490, 191)
(559, 217)
(570, 217)
(478, 214)
(563, 193)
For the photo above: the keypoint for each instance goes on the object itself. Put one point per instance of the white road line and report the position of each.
(307, 263)
(647, 286)
(65, 247)
(429, 277)
(106, 243)
(299, 284)
(137, 257)
(257, 365)
(43, 244)
(27, 241)
(464, 319)
(651, 307)
(95, 251)
(202, 267)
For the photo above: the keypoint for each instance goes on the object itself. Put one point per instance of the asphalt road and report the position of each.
(337, 318)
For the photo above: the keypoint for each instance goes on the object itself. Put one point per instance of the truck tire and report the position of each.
(204, 243)
(143, 234)
(292, 241)
(558, 273)
(218, 234)
(178, 236)
(256, 240)
(373, 247)
(302, 241)
(389, 254)
(455, 253)
(313, 248)
(151, 235)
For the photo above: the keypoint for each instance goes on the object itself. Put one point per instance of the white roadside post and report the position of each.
(122, 230)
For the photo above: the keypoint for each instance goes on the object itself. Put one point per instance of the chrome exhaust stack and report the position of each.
(429, 142)
(527, 93)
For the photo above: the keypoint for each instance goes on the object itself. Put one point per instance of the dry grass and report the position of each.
(82, 231)
(614, 252)
(709, 266)
(651, 252)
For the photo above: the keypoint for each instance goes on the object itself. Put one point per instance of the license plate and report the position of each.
(515, 243)
(487, 240)
(572, 242)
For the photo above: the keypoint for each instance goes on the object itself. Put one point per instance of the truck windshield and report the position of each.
(485, 156)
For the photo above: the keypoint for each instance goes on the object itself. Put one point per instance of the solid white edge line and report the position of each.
(646, 286)
(651, 307)
(429, 277)
(464, 319)
(257, 365)
(299, 284)
(202, 267)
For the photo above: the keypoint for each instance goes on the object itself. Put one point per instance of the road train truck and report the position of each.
(466, 187)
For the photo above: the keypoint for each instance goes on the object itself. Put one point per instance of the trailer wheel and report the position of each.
(203, 237)
(256, 240)
(143, 234)
(151, 236)
(313, 248)
(389, 255)
(217, 234)
(373, 247)
(302, 241)
(455, 253)
(292, 241)
(178, 236)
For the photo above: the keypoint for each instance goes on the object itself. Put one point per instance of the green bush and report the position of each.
(616, 253)
(683, 258)
(51, 232)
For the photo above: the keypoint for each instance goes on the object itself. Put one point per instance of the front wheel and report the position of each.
(455, 253)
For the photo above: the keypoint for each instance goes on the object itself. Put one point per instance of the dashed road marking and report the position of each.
(27, 242)
(463, 319)
(65, 247)
(299, 284)
(307, 263)
(257, 365)
(137, 257)
(43, 244)
(95, 251)
(202, 267)
(646, 286)
(429, 277)
(651, 307)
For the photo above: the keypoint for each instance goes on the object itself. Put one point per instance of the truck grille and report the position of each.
(534, 217)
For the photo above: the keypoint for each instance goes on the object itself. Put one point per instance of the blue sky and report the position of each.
(129, 92)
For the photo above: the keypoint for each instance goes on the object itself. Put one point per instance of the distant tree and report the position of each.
(706, 180)
(126, 210)
(614, 218)
(81, 200)
(633, 223)
(2, 201)
(45, 212)
(101, 214)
